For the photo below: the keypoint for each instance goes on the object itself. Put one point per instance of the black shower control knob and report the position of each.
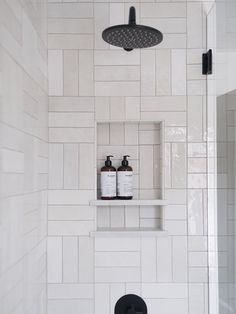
(133, 311)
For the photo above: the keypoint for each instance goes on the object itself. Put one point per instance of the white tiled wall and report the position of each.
(96, 82)
(24, 156)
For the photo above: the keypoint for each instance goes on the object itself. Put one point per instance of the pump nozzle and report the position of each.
(125, 161)
(108, 162)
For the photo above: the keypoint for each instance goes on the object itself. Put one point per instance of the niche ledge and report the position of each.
(158, 202)
(128, 232)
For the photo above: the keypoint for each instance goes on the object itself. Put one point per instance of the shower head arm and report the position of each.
(132, 16)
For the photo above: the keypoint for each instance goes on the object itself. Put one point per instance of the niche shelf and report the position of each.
(143, 216)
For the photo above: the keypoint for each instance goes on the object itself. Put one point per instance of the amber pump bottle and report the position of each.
(108, 180)
(125, 180)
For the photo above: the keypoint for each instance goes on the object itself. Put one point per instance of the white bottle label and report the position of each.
(108, 183)
(125, 183)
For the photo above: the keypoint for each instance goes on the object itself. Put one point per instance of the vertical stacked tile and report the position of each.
(24, 156)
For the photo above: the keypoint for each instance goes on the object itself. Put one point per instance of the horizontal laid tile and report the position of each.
(70, 41)
(71, 135)
(70, 197)
(175, 212)
(70, 212)
(114, 57)
(70, 10)
(71, 104)
(117, 274)
(170, 118)
(117, 244)
(72, 306)
(163, 103)
(197, 243)
(164, 290)
(165, 10)
(70, 228)
(168, 306)
(70, 291)
(118, 151)
(70, 120)
(117, 88)
(117, 73)
(175, 134)
(166, 25)
(70, 25)
(117, 259)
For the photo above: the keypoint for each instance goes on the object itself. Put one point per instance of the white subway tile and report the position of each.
(132, 108)
(175, 134)
(70, 41)
(69, 197)
(194, 25)
(72, 306)
(164, 259)
(70, 25)
(117, 259)
(102, 292)
(180, 264)
(86, 86)
(148, 73)
(124, 88)
(73, 104)
(198, 259)
(165, 10)
(101, 20)
(55, 73)
(86, 166)
(117, 217)
(70, 10)
(131, 217)
(197, 165)
(115, 57)
(54, 259)
(165, 290)
(178, 62)
(117, 108)
(102, 108)
(71, 119)
(196, 298)
(71, 167)
(71, 75)
(175, 212)
(146, 168)
(117, 290)
(148, 259)
(70, 291)
(117, 73)
(198, 275)
(117, 244)
(117, 274)
(12, 161)
(55, 166)
(70, 228)
(71, 135)
(163, 103)
(70, 212)
(70, 259)
(195, 126)
(178, 165)
(86, 259)
(170, 118)
(168, 306)
(163, 72)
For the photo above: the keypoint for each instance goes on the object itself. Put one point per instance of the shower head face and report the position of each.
(132, 36)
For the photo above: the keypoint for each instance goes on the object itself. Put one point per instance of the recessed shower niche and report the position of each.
(143, 142)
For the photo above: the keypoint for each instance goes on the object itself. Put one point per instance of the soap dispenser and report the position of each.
(125, 180)
(108, 180)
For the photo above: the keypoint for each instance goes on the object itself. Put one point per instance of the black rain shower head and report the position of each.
(131, 36)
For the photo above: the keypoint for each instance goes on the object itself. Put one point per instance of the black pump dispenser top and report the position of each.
(108, 162)
(125, 161)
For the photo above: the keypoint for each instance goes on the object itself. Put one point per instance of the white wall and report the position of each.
(88, 81)
(24, 156)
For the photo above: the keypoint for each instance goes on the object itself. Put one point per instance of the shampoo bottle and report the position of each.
(125, 180)
(108, 180)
